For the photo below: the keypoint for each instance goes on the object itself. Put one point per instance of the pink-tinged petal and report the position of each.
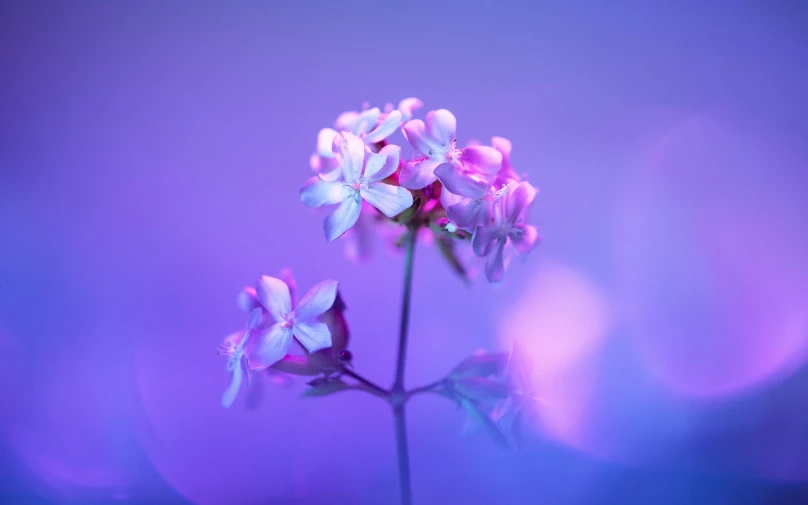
(442, 126)
(390, 200)
(408, 106)
(274, 296)
(343, 217)
(447, 198)
(317, 192)
(321, 164)
(482, 160)
(333, 175)
(365, 121)
(460, 183)
(373, 163)
(286, 276)
(297, 365)
(518, 199)
(495, 264)
(418, 174)
(527, 241)
(392, 155)
(484, 239)
(466, 214)
(319, 299)
(247, 299)
(232, 390)
(313, 335)
(325, 141)
(232, 342)
(270, 346)
(502, 145)
(415, 133)
(346, 120)
(385, 128)
(351, 153)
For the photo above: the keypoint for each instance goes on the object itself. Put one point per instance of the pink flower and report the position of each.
(507, 225)
(358, 177)
(440, 158)
(506, 174)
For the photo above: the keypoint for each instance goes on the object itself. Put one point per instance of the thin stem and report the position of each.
(403, 454)
(398, 385)
(376, 389)
(432, 387)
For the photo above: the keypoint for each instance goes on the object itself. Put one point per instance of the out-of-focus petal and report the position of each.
(390, 200)
(482, 160)
(274, 296)
(286, 276)
(459, 182)
(325, 141)
(442, 126)
(418, 174)
(232, 390)
(527, 241)
(247, 299)
(495, 264)
(313, 335)
(351, 152)
(366, 120)
(466, 214)
(346, 120)
(408, 106)
(385, 128)
(393, 154)
(484, 239)
(317, 192)
(343, 217)
(502, 145)
(269, 347)
(319, 299)
(415, 133)
(518, 199)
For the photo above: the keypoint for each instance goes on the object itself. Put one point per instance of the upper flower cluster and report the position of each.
(460, 192)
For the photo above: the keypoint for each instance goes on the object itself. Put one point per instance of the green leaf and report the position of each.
(480, 417)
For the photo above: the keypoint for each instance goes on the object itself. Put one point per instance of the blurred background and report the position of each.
(150, 159)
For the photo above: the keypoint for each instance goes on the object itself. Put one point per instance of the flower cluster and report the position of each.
(458, 193)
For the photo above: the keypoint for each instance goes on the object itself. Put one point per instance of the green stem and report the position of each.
(398, 395)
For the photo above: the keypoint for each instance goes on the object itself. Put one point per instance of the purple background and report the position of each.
(150, 159)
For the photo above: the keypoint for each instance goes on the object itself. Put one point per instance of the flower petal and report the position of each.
(373, 163)
(459, 182)
(442, 126)
(390, 200)
(415, 133)
(527, 241)
(270, 346)
(346, 120)
(418, 174)
(466, 214)
(351, 153)
(484, 239)
(482, 160)
(274, 295)
(392, 154)
(408, 106)
(317, 192)
(247, 299)
(313, 335)
(495, 264)
(319, 299)
(325, 140)
(343, 217)
(385, 128)
(366, 120)
(502, 145)
(232, 390)
(518, 199)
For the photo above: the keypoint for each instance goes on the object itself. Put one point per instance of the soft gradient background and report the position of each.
(150, 160)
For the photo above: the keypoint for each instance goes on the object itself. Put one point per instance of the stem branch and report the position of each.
(376, 389)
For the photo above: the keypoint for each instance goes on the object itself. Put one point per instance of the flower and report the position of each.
(506, 226)
(475, 209)
(506, 174)
(358, 177)
(272, 343)
(234, 347)
(440, 158)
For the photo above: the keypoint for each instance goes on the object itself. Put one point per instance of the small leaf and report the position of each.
(446, 246)
(480, 365)
(481, 388)
(480, 417)
(296, 365)
(324, 387)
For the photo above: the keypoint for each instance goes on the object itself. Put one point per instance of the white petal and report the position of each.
(392, 155)
(415, 133)
(317, 192)
(325, 139)
(274, 295)
(319, 299)
(270, 346)
(313, 335)
(442, 126)
(366, 120)
(459, 182)
(385, 128)
(465, 214)
(418, 174)
(343, 217)
(390, 200)
(351, 153)
(230, 394)
(373, 163)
